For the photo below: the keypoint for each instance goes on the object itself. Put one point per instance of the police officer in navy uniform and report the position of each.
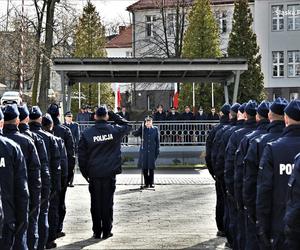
(232, 146)
(14, 195)
(100, 169)
(149, 150)
(64, 133)
(262, 123)
(46, 237)
(292, 214)
(45, 173)
(275, 168)
(224, 121)
(251, 165)
(219, 166)
(11, 131)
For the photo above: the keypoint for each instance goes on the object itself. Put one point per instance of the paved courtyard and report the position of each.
(179, 214)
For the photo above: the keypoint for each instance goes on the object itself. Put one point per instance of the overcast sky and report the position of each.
(109, 10)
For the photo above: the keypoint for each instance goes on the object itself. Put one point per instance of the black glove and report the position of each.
(117, 118)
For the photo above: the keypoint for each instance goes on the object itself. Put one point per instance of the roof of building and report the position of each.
(122, 40)
(154, 4)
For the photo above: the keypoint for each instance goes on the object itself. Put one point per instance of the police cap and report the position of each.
(235, 107)
(11, 112)
(242, 107)
(263, 109)
(293, 110)
(24, 112)
(148, 118)
(35, 113)
(250, 108)
(69, 113)
(102, 111)
(47, 120)
(226, 109)
(279, 105)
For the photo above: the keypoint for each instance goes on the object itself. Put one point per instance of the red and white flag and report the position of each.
(176, 96)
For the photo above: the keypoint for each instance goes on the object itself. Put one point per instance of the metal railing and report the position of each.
(172, 133)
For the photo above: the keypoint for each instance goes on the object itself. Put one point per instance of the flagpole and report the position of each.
(193, 95)
(116, 96)
(212, 95)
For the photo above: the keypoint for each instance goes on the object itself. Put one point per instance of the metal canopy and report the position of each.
(148, 69)
(155, 70)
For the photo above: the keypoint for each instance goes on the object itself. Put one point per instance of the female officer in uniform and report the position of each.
(149, 150)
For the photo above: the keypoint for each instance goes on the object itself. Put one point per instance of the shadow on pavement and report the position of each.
(215, 243)
(128, 191)
(164, 171)
(80, 244)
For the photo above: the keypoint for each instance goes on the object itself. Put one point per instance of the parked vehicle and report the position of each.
(11, 97)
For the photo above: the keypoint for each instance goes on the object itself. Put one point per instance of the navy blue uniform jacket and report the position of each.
(149, 151)
(275, 169)
(14, 190)
(251, 166)
(99, 150)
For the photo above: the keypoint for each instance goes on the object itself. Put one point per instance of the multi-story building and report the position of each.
(276, 23)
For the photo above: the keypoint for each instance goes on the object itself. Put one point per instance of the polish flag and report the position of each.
(119, 98)
(176, 96)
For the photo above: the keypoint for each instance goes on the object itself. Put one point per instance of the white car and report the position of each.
(10, 97)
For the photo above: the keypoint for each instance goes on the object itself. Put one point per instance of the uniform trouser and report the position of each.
(53, 216)
(278, 242)
(8, 237)
(62, 204)
(43, 220)
(102, 201)
(71, 170)
(148, 176)
(241, 229)
(293, 240)
(32, 231)
(250, 232)
(233, 221)
(219, 205)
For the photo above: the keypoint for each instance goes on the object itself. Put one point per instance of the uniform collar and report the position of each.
(292, 130)
(224, 119)
(262, 124)
(276, 126)
(10, 128)
(35, 125)
(23, 127)
(233, 121)
(240, 122)
(250, 123)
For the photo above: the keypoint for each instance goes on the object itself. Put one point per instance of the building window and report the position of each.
(293, 63)
(150, 21)
(277, 18)
(171, 24)
(293, 17)
(128, 54)
(278, 63)
(222, 20)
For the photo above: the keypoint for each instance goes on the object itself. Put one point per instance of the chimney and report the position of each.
(121, 28)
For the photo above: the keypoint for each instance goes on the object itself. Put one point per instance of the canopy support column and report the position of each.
(226, 92)
(63, 88)
(236, 86)
(69, 98)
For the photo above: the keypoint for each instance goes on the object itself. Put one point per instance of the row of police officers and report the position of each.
(37, 160)
(253, 155)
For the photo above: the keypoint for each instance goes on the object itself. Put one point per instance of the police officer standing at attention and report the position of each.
(100, 169)
(224, 122)
(292, 215)
(64, 133)
(11, 131)
(251, 165)
(275, 169)
(35, 125)
(14, 195)
(149, 151)
(45, 174)
(74, 127)
(233, 144)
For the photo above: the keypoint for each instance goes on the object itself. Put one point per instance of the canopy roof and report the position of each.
(94, 70)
